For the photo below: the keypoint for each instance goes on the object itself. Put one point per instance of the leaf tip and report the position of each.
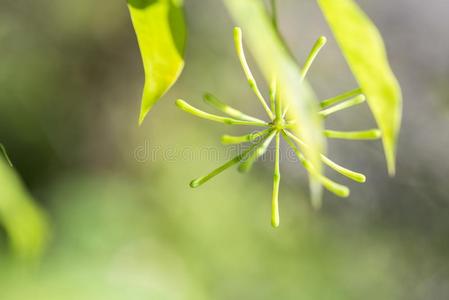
(142, 116)
(316, 193)
(390, 156)
(391, 165)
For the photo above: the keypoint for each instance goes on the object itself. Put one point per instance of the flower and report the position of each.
(279, 126)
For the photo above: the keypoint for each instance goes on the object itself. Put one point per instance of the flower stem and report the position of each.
(204, 115)
(337, 189)
(201, 180)
(343, 105)
(372, 134)
(232, 140)
(358, 177)
(249, 76)
(319, 44)
(223, 107)
(276, 181)
(331, 101)
(246, 165)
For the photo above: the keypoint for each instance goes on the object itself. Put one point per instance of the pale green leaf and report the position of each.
(25, 224)
(363, 47)
(161, 34)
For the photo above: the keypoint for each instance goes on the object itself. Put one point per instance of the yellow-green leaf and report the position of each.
(363, 47)
(25, 224)
(161, 35)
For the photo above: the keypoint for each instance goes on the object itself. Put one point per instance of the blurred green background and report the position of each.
(124, 223)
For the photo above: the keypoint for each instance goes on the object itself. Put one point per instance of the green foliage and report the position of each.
(25, 224)
(161, 34)
(364, 50)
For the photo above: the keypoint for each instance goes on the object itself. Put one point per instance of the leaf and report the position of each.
(161, 35)
(25, 224)
(363, 47)
(275, 60)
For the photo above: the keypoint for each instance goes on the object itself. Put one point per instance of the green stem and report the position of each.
(358, 177)
(230, 139)
(276, 182)
(249, 76)
(372, 134)
(201, 114)
(247, 164)
(337, 189)
(331, 101)
(201, 180)
(319, 44)
(223, 107)
(343, 105)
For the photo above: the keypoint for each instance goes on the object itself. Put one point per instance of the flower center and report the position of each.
(278, 124)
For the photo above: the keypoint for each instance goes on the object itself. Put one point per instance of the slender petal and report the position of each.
(341, 97)
(223, 107)
(254, 136)
(246, 165)
(249, 76)
(358, 177)
(343, 105)
(372, 134)
(337, 189)
(199, 113)
(276, 182)
(319, 44)
(201, 180)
